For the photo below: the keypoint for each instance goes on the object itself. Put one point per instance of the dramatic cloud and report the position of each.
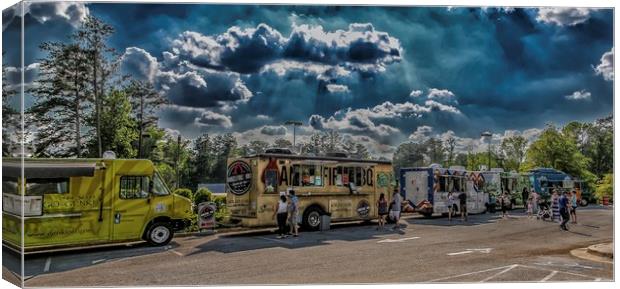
(579, 95)
(415, 93)
(421, 134)
(210, 118)
(184, 83)
(442, 94)
(72, 12)
(606, 67)
(273, 130)
(249, 50)
(563, 16)
(337, 88)
(14, 75)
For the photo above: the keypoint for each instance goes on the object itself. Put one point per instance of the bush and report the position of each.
(184, 192)
(202, 195)
(605, 188)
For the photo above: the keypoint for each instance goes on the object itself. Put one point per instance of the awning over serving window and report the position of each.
(48, 170)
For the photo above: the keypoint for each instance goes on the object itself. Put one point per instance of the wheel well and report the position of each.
(313, 206)
(162, 219)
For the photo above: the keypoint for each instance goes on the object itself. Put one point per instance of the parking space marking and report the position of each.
(469, 251)
(176, 252)
(549, 276)
(48, 263)
(460, 253)
(397, 240)
(470, 273)
(98, 261)
(500, 273)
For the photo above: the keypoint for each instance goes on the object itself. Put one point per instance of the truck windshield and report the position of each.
(159, 188)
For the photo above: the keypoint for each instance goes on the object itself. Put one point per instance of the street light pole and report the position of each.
(294, 123)
(489, 135)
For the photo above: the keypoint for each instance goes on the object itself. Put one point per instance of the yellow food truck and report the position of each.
(87, 202)
(346, 188)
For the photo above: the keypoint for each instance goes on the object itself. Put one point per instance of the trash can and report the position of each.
(326, 220)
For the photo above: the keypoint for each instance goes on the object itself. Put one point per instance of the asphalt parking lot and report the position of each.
(485, 249)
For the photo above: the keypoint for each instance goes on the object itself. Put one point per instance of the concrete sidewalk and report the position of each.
(603, 252)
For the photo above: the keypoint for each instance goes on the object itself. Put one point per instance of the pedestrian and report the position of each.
(530, 207)
(503, 203)
(463, 206)
(395, 209)
(293, 212)
(563, 205)
(573, 206)
(382, 207)
(450, 204)
(535, 200)
(524, 197)
(555, 207)
(280, 213)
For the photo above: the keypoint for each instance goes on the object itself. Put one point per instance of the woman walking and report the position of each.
(450, 204)
(555, 207)
(530, 207)
(280, 213)
(382, 206)
(573, 206)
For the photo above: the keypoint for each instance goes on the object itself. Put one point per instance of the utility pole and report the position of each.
(294, 123)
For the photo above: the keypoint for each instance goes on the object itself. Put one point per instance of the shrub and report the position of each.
(202, 195)
(605, 188)
(184, 192)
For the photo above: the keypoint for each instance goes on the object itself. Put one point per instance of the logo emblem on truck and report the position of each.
(363, 209)
(239, 177)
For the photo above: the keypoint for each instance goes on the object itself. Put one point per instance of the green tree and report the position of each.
(605, 188)
(435, 150)
(450, 145)
(203, 195)
(102, 61)
(184, 192)
(283, 143)
(11, 117)
(118, 127)
(61, 100)
(145, 101)
(409, 154)
(513, 148)
(555, 150)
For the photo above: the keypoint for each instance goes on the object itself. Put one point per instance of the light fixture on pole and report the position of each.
(489, 135)
(294, 123)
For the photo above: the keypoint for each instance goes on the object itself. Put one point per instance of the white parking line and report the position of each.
(499, 273)
(549, 276)
(98, 261)
(470, 273)
(460, 253)
(48, 263)
(176, 252)
(397, 240)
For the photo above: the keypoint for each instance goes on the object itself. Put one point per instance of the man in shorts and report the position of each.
(293, 213)
(463, 206)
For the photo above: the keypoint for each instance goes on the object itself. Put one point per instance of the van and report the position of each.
(82, 202)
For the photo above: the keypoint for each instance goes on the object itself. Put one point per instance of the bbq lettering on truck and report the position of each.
(332, 176)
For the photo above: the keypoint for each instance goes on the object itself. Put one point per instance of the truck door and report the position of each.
(416, 186)
(131, 206)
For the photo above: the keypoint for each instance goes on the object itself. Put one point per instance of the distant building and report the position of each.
(215, 189)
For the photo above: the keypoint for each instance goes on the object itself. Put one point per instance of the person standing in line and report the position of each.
(293, 212)
(573, 206)
(382, 207)
(395, 211)
(530, 207)
(535, 199)
(524, 197)
(563, 205)
(450, 204)
(555, 207)
(463, 206)
(503, 199)
(280, 213)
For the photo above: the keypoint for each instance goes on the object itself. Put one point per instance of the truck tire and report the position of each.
(159, 234)
(312, 218)
(583, 202)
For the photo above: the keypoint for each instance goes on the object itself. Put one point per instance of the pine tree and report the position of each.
(92, 36)
(118, 128)
(61, 100)
(10, 115)
(145, 101)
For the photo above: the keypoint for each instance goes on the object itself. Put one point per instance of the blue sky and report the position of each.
(378, 75)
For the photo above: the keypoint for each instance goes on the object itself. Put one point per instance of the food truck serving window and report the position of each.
(307, 175)
(39, 187)
(134, 187)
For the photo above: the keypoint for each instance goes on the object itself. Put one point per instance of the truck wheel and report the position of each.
(312, 218)
(583, 202)
(159, 234)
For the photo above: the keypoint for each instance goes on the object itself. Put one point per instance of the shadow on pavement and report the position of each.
(340, 232)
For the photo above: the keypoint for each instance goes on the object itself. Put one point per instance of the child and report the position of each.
(530, 207)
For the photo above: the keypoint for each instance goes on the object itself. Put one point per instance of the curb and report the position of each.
(602, 250)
